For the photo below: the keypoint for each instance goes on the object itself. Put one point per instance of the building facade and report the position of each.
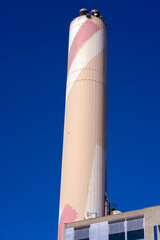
(141, 224)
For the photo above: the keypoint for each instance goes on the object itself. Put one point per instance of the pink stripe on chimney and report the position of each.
(84, 33)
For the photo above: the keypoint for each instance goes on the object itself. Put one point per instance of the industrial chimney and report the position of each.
(83, 176)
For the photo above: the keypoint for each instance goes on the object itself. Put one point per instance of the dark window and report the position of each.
(137, 234)
(117, 236)
(155, 232)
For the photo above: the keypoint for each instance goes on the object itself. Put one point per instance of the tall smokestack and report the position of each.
(83, 177)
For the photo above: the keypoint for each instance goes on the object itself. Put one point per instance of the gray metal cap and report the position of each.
(95, 12)
(83, 11)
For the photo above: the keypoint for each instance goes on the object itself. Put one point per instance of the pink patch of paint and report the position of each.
(84, 33)
(68, 215)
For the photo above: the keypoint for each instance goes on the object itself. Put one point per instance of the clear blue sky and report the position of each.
(33, 66)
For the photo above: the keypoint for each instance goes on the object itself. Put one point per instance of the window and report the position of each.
(135, 229)
(116, 231)
(137, 234)
(82, 234)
